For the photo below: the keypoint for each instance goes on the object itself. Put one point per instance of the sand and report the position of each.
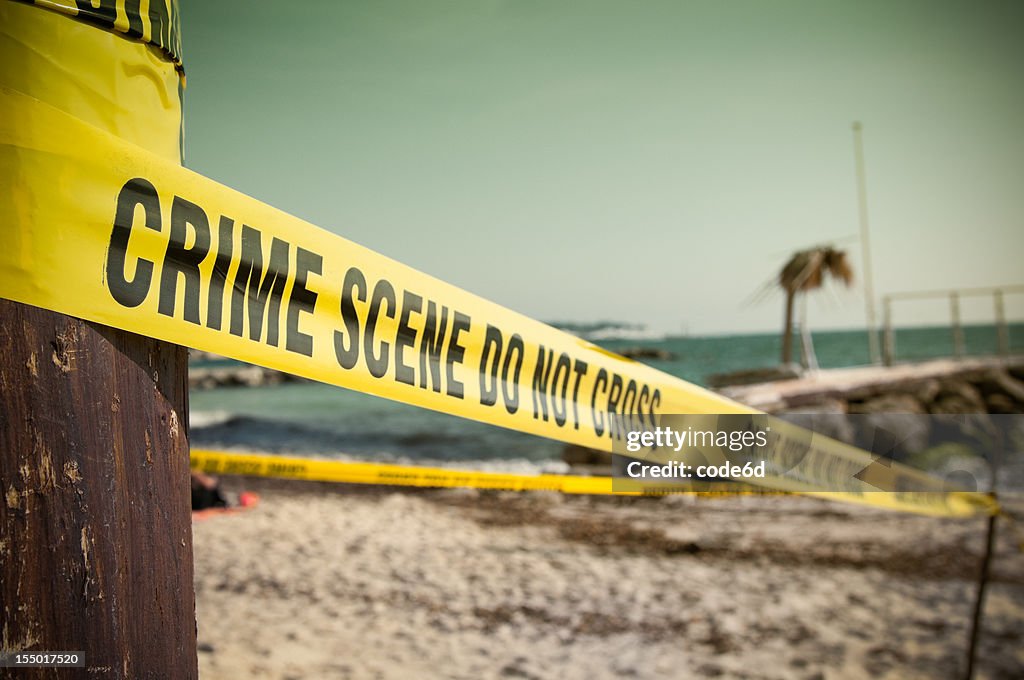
(324, 581)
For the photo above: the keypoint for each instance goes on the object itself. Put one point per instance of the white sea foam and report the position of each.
(209, 418)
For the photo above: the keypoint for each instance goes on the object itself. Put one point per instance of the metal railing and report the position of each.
(956, 326)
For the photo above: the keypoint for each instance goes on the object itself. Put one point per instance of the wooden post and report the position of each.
(787, 329)
(810, 359)
(95, 526)
(979, 599)
(958, 331)
(1002, 332)
(889, 345)
(986, 560)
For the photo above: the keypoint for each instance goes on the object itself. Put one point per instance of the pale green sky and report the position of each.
(642, 161)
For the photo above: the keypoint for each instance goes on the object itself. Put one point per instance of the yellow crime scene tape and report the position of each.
(351, 472)
(322, 470)
(360, 472)
(110, 228)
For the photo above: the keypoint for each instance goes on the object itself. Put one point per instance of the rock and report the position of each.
(1001, 382)
(1000, 403)
(573, 454)
(957, 396)
(952, 404)
(925, 391)
(196, 355)
(242, 375)
(647, 353)
(888, 403)
(754, 376)
(892, 424)
(827, 417)
(893, 434)
(974, 430)
(822, 406)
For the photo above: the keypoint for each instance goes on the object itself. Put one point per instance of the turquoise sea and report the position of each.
(316, 419)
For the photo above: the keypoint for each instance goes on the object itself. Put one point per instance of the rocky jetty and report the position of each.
(754, 376)
(646, 353)
(233, 374)
(888, 397)
(992, 385)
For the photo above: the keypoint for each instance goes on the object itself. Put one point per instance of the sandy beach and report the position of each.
(333, 581)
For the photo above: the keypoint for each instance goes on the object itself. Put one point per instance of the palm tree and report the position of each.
(807, 271)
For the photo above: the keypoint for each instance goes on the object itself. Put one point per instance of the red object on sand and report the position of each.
(246, 501)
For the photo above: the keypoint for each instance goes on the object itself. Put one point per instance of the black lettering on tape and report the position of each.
(600, 384)
(302, 299)
(431, 346)
(489, 366)
(348, 355)
(182, 261)
(642, 404)
(100, 13)
(455, 355)
(411, 303)
(135, 192)
(257, 292)
(614, 417)
(628, 402)
(133, 10)
(655, 403)
(225, 247)
(580, 369)
(377, 363)
(159, 22)
(541, 380)
(558, 400)
(510, 387)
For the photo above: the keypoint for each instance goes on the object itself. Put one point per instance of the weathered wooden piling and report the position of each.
(95, 528)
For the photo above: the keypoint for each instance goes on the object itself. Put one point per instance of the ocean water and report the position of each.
(313, 419)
